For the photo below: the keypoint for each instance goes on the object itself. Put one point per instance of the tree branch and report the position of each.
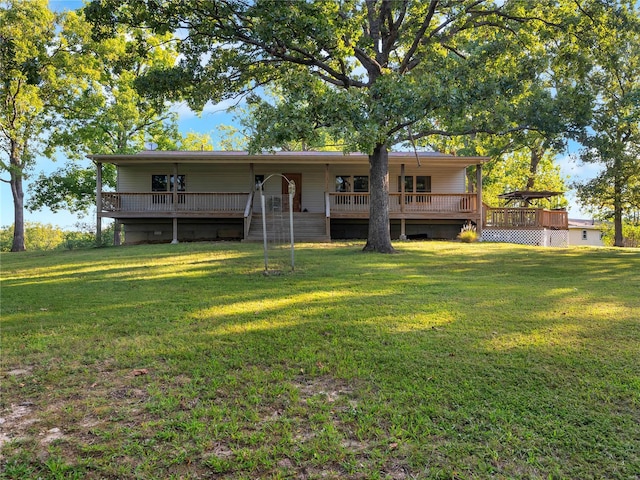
(418, 37)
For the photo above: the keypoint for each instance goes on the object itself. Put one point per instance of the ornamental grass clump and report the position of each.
(468, 233)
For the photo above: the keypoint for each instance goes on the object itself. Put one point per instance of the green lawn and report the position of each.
(447, 360)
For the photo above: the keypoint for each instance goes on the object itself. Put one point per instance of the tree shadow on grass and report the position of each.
(341, 370)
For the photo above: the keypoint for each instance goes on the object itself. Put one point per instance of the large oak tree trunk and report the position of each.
(379, 239)
(18, 211)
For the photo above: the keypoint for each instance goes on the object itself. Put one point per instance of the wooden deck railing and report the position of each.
(525, 218)
(164, 202)
(413, 202)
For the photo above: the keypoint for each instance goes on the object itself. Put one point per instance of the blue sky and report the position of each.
(207, 122)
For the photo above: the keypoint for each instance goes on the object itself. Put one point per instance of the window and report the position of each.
(181, 183)
(584, 234)
(159, 183)
(355, 183)
(419, 184)
(361, 183)
(259, 179)
(423, 184)
(343, 183)
(165, 183)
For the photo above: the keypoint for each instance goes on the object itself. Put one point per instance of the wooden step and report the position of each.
(307, 227)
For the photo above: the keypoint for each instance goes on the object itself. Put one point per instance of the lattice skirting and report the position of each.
(544, 237)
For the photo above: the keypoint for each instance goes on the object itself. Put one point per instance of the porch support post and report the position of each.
(175, 230)
(175, 203)
(99, 204)
(117, 228)
(175, 186)
(479, 199)
(327, 202)
(403, 233)
(252, 177)
(326, 177)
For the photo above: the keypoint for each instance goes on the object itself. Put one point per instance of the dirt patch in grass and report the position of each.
(66, 418)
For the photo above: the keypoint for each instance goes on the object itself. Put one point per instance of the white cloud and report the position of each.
(185, 113)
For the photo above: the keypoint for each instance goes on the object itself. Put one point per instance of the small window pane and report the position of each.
(159, 183)
(181, 183)
(423, 184)
(342, 183)
(408, 184)
(361, 183)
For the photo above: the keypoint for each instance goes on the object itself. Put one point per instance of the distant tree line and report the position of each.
(44, 236)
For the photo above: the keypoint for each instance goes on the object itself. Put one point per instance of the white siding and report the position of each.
(594, 236)
(443, 179)
(198, 178)
(236, 178)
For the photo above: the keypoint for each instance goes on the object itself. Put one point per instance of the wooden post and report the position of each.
(175, 203)
(175, 186)
(403, 222)
(479, 199)
(326, 177)
(175, 230)
(252, 178)
(327, 204)
(402, 182)
(99, 204)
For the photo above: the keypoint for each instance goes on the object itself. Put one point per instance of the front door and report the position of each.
(297, 198)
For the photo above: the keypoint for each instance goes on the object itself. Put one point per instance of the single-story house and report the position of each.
(585, 232)
(164, 196)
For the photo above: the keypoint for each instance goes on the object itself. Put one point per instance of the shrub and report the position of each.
(468, 233)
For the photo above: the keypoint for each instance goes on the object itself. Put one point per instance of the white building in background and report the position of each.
(585, 232)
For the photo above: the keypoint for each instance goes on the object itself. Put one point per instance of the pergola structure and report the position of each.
(525, 196)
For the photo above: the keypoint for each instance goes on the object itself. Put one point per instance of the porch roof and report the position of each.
(214, 157)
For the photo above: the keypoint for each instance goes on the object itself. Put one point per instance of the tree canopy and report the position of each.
(612, 137)
(105, 114)
(29, 84)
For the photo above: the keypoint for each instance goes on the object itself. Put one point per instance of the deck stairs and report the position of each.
(307, 227)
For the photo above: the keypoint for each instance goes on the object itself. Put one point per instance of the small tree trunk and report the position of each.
(618, 239)
(470, 172)
(379, 239)
(536, 156)
(18, 212)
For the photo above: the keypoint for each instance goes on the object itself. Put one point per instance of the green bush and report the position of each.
(468, 233)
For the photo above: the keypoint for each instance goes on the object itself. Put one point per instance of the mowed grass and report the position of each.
(446, 360)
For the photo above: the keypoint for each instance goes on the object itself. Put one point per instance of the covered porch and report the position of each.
(221, 187)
